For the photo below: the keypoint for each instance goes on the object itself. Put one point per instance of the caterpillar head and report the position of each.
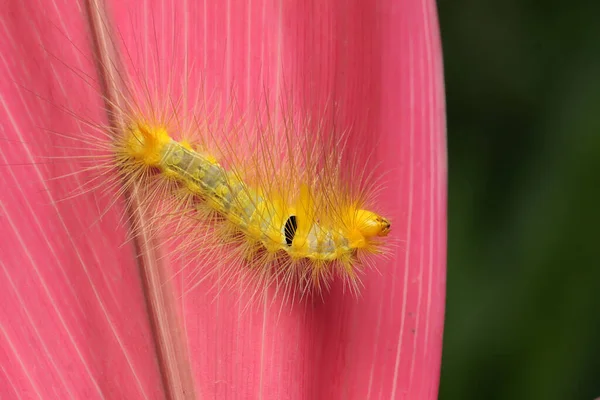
(366, 226)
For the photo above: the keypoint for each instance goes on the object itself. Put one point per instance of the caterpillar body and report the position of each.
(291, 228)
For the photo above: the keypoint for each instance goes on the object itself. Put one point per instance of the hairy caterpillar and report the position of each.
(306, 233)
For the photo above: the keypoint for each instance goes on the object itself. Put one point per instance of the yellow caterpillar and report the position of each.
(305, 234)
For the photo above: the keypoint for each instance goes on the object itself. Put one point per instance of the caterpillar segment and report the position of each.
(262, 217)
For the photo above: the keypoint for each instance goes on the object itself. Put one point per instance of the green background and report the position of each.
(523, 103)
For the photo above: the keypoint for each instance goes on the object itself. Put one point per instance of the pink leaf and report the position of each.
(74, 323)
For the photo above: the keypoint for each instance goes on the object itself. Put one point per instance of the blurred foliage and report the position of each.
(523, 100)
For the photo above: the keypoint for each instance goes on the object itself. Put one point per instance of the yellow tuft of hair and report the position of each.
(144, 143)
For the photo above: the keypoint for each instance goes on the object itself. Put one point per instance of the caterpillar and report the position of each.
(305, 233)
